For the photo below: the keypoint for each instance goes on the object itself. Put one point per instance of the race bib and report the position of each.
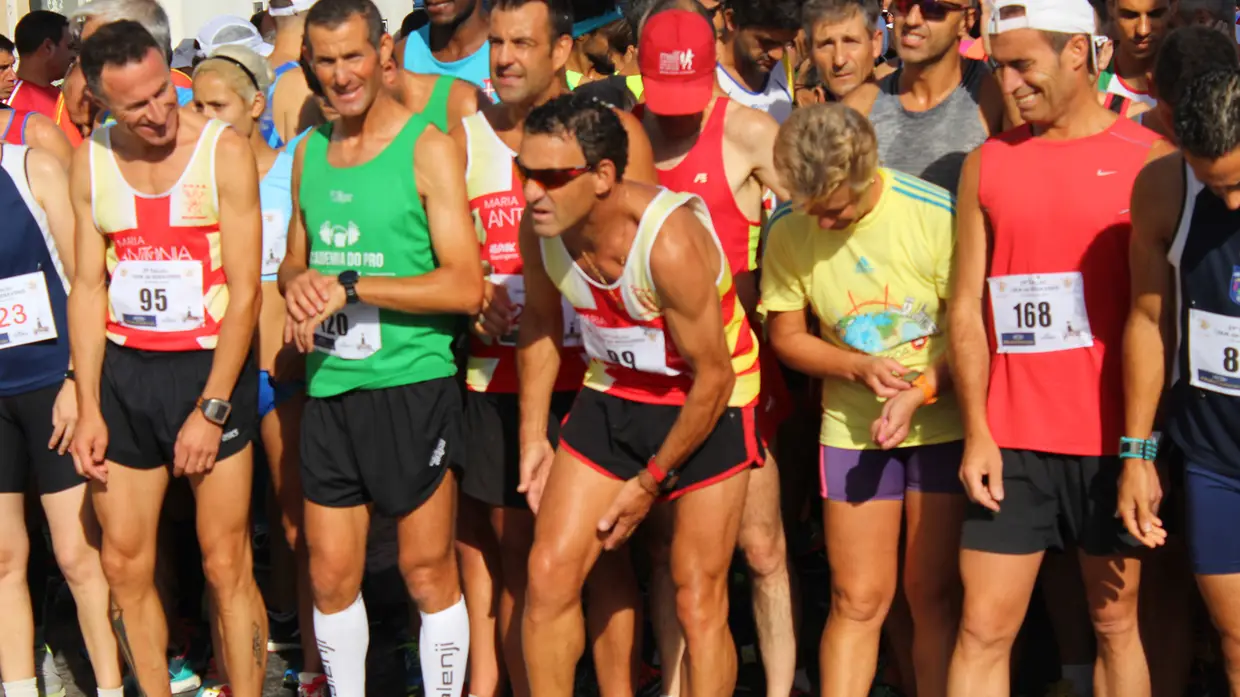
(1040, 313)
(637, 348)
(158, 296)
(1214, 352)
(515, 285)
(352, 333)
(25, 311)
(275, 241)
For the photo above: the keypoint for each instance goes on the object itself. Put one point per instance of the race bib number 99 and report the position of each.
(1040, 313)
(25, 311)
(351, 334)
(158, 296)
(1214, 352)
(637, 348)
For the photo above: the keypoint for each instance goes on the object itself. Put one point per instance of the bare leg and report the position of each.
(1113, 585)
(667, 635)
(1222, 596)
(515, 530)
(16, 658)
(75, 539)
(613, 617)
(932, 585)
(566, 545)
(477, 553)
(128, 509)
(766, 551)
(997, 589)
(863, 542)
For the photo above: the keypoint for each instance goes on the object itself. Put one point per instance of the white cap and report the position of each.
(1063, 16)
(297, 7)
(229, 29)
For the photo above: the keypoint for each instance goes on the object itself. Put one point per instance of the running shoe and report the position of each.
(181, 675)
(50, 684)
(283, 632)
(212, 686)
(219, 690)
(316, 687)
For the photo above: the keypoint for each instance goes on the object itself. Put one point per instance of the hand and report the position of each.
(197, 444)
(1140, 495)
(536, 459)
(891, 427)
(64, 418)
(90, 447)
(301, 333)
(307, 295)
(981, 472)
(495, 320)
(882, 376)
(629, 509)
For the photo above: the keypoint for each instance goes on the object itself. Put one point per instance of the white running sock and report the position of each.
(443, 647)
(343, 640)
(1082, 678)
(22, 688)
(112, 692)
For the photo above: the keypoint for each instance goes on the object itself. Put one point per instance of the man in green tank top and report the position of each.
(372, 297)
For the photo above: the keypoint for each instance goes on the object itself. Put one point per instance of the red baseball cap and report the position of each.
(677, 58)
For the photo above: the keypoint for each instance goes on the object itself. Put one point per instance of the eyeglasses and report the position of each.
(931, 10)
(551, 178)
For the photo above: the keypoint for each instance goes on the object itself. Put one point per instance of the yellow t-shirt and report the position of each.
(876, 288)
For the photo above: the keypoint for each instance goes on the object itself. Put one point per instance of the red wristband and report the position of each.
(658, 474)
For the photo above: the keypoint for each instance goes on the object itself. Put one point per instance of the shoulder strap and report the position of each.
(436, 109)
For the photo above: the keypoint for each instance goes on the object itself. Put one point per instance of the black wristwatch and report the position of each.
(348, 279)
(215, 410)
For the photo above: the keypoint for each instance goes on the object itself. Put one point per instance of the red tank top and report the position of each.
(1059, 209)
(28, 96)
(702, 173)
(15, 131)
(497, 201)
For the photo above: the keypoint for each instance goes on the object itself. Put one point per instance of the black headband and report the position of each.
(239, 64)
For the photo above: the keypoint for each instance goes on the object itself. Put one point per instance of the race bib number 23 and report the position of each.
(25, 310)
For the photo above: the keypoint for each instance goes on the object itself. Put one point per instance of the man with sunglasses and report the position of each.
(752, 47)
(1140, 26)
(667, 411)
(373, 283)
(720, 150)
(1042, 236)
(530, 43)
(938, 106)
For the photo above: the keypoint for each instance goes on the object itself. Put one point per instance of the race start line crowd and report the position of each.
(533, 276)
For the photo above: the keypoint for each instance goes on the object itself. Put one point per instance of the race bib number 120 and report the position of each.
(352, 333)
(1040, 313)
(25, 311)
(1214, 352)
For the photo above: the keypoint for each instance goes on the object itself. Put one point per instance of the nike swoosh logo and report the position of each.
(1104, 173)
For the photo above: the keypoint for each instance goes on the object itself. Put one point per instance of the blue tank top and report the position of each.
(27, 247)
(267, 123)
(475, 68)
(276, 199)
(1203, 418)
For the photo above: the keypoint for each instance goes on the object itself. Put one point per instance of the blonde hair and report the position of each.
(226, 61)
(824, 146)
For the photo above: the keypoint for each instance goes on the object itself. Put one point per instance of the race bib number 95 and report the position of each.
(1040, 313)
(158, 296)
(1214, 352)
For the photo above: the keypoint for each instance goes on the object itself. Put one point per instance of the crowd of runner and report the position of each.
(533, 296)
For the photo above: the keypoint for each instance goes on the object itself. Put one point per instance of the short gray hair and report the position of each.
(149, 13)
(815, 11)
(1219, 10)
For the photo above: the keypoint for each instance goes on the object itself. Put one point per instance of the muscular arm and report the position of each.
(455, 287)
(241, 239)
(754, 135)
(970, 348)
(43, 134)
(641, 155)
(88, 298)
(538, 340)
(49, 182)
(1155, 206)
(683, 265)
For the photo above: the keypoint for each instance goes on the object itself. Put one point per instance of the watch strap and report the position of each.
(923, 384)
(1138, 449)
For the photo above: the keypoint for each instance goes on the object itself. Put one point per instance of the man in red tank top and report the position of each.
(42, 40)
(164, 307)
(1038, 305)
(722, 151)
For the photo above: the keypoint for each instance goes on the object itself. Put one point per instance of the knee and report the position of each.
(553, 581)
(226, 567)
(989, 629)
(1116, 620)
(127, 569)
(702, 604)
(431, 576)
(766, 552)
(79, 562)
(335, 582)
(862, 603)
(14, 555)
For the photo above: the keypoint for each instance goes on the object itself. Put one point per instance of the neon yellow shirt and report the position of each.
(877, 287)
(634, 82)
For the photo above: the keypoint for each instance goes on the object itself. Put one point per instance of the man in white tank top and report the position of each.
(751, 65)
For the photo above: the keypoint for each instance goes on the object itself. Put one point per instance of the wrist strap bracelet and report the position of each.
(1138, 449)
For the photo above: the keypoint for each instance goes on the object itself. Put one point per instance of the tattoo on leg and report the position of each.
(259, 649)
(122, 639)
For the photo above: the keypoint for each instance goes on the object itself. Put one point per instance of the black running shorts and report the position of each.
(618, 437)
(493, 445)
(25, 429)
(390, 447)
(1051, 501)
(146, 396)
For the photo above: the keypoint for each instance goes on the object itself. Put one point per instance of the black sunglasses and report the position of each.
(931, 10)
(550, 178)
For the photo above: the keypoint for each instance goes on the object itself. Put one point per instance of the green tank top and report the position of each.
(354, 222)
(436, 109)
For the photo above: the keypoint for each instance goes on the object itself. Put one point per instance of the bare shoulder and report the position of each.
(433, 151)
(862, 99)
(682, 240)
(463, 98)
(1159, 188)
(746, 125)
(41, 164)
